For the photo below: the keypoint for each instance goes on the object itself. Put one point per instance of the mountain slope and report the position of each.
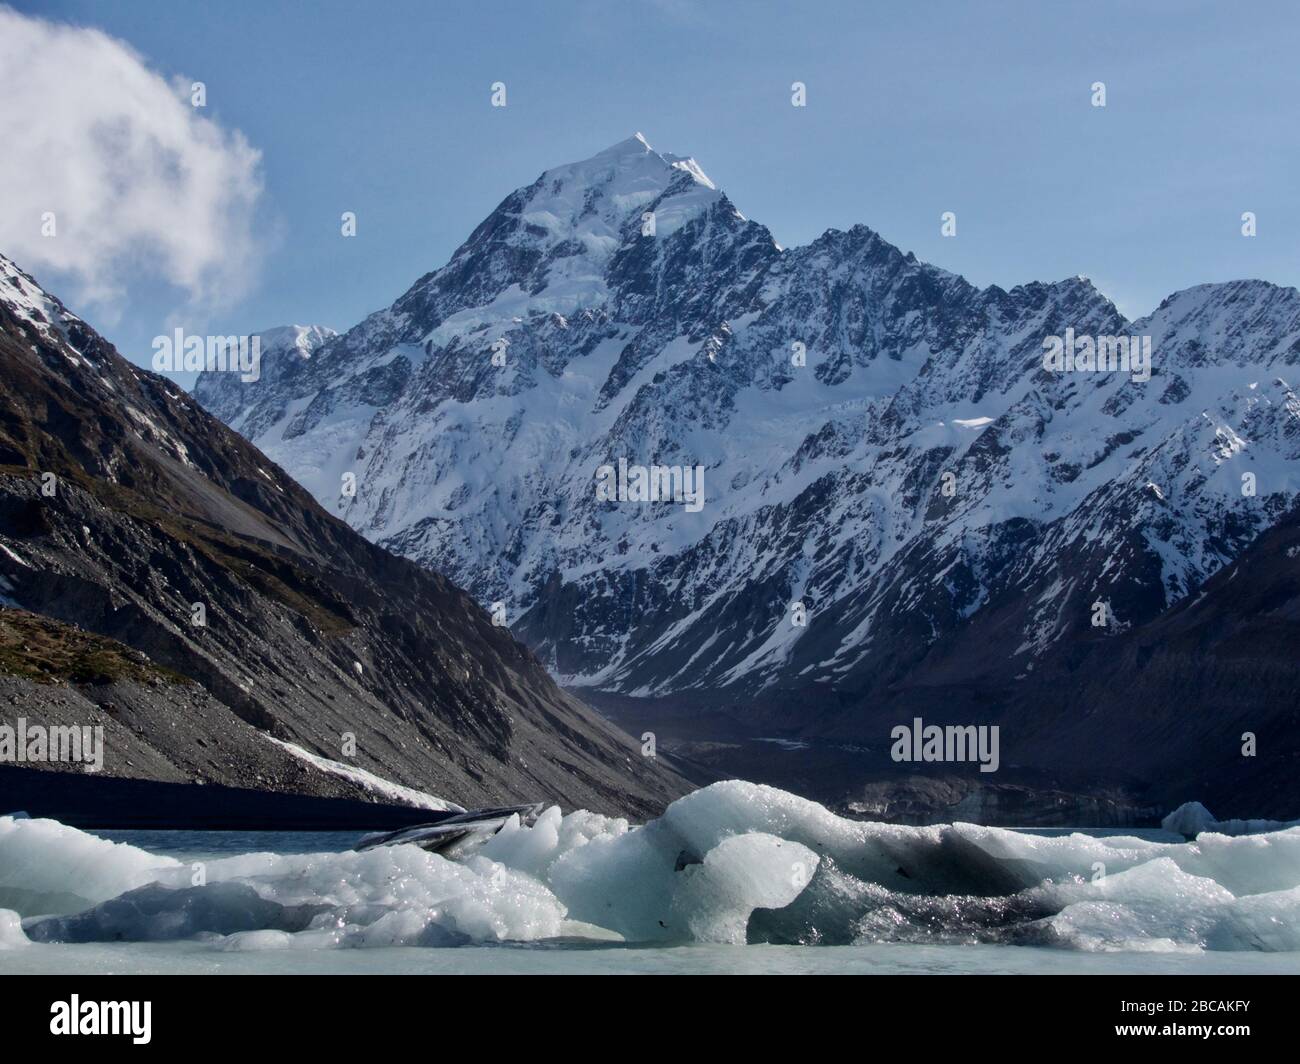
(1175, 699)
(885, 456)
(312, 635)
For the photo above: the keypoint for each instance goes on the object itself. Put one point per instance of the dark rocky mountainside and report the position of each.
(1171, 703)
(123, 505)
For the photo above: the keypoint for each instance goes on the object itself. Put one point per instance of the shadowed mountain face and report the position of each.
(1202, 701)
(127, 511)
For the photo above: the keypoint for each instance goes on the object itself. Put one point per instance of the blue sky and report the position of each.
(913, 109)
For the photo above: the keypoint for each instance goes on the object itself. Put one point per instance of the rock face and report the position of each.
(280, 350)
(128, 511)
(902, 506)
(1202, 702)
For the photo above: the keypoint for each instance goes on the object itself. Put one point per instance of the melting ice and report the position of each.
(731, 863)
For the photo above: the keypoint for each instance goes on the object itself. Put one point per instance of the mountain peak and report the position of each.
(636, 144)
(28, 301)
(634, 158)
(592, 203)
(300, 339)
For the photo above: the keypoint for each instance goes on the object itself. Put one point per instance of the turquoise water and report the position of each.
(883, 959)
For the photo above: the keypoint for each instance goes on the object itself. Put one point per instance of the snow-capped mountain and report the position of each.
(896, 493)
(279, 350)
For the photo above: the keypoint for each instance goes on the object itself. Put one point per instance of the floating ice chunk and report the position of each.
(1188, 820)
(622, 881)
(1246, 864)
(1191, 819)
(713, 900)
(11, 930)
(393, 896)
(1161, 906)
(157, 913)
(685, 876)
(731, 863)
(48, 867)
(707, 816)
(248, 941)
(407, 927)
(529, 850)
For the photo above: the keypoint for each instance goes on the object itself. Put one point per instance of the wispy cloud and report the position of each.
(138, 181)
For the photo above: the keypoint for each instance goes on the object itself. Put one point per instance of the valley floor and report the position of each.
(860, 780)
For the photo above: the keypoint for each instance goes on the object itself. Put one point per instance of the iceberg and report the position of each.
(1192, 818)
(733, 863)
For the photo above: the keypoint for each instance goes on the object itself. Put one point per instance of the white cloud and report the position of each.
(139, 181)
